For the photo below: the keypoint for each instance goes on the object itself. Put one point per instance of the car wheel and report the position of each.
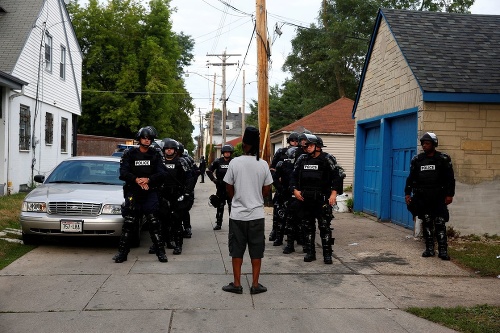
(30, 239)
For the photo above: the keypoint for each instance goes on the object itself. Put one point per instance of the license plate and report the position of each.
(71, 226)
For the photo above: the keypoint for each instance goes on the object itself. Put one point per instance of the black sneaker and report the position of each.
(177, 250)
(288, 249)
(257, 290)
(187, 233)
(152, 249)
(272, 236)
(328, 260)
(217, 227)
(231, 288)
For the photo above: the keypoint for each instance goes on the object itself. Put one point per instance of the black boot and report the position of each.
(272, 234)
(289, 248)
(429, 239)
(178, 242)
(442, 239)
(162, 257)
(326, 244)
(309, 247)
(218, 218)
(123, 247)
(187, 233)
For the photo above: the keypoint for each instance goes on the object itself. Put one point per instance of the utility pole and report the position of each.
(263, 54)
(243, 108)
(209, 157)
(223, 57)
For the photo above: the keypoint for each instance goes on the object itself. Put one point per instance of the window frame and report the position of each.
(64, 135)
(62, 63)
(49, 128)
(48, 52)
(24, 127)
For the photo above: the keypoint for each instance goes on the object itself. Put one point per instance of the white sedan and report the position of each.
(81, 197)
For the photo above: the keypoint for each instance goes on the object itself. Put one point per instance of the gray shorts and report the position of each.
(242, 233)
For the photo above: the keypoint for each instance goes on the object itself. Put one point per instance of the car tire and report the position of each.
(30, 239)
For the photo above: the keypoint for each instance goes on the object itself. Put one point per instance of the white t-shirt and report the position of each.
(248, 176)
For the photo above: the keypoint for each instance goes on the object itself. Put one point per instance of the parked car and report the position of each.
(81, 197)
(121, 148)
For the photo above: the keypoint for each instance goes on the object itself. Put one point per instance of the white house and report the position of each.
(40, 89)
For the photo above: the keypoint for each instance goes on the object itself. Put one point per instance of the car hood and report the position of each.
(91, 193)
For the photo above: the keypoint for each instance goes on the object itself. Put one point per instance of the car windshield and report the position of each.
(86, 172)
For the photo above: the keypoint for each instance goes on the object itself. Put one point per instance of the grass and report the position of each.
(477, 319)
(10, 207)
(478, 255)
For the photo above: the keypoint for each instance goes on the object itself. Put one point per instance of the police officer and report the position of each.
(282, 213)
(219, 168)
(202, 166)
(142, 170)
(172, 194)
(315, 182)
(188, 198)
(432, 182)
(280, 189)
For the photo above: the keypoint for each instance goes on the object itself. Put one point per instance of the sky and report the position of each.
(216, 27)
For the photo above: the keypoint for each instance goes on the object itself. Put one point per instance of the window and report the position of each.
(49, 128)
(62, 63)
(24, 127)
(64, 135)
(48, 52)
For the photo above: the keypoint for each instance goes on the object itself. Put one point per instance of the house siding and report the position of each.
(342, 147)
(389, 84)
(59, 97)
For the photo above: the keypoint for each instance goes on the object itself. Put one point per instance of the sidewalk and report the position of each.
(377, 272)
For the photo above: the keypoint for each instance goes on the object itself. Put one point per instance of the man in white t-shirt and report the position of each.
(248, 180)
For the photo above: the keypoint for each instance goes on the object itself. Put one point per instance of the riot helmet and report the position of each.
(148, 132)
(311, 138)
(227, 147)
(294, 136)
(320, 143)
(169, 143)
(429, 136)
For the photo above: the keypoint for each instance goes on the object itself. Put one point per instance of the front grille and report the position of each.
(74, 208)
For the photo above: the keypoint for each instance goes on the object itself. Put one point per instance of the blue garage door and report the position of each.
(371, 171)
(403, 139)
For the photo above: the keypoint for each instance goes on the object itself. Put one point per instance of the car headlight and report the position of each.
(112, 209)
(37, 207)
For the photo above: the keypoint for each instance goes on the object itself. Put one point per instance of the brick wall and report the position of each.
(88, 145)
(470, 134)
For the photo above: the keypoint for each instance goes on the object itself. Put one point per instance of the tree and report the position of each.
(327, 58)
(132, 69)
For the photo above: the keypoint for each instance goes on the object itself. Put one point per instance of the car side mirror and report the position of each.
(39, 178)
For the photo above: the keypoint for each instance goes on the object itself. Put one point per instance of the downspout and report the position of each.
(7, 129)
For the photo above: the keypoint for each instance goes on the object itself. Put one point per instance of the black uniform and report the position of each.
(138, 202)
(192, 175)
(173, 188)
(219, 168)
(202, 167)
(431, 180)
(279, 196)
(316, 178)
